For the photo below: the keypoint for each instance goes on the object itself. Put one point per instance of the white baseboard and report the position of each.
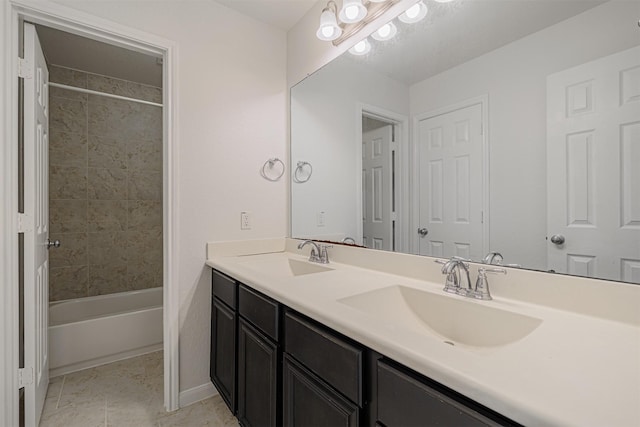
(196, 394)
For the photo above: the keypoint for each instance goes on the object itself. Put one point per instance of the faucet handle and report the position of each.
(482, 285)
(324, 255)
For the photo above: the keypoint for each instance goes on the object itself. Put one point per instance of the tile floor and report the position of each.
(124, 393)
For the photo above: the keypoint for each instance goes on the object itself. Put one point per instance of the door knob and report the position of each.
(557, 239)
(423, 231)
(55, 244)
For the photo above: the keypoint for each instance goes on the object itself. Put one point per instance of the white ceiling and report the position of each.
(282, 14)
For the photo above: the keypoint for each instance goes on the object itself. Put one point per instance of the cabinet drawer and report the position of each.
(224, 288)
(332, 358)
(260, 310)
(405, 401)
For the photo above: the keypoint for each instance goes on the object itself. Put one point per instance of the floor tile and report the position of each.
(125, 393)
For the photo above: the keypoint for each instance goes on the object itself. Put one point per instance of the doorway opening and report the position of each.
(383, 212)
(20, 329)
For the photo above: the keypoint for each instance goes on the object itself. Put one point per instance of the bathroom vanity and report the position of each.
(371, 339)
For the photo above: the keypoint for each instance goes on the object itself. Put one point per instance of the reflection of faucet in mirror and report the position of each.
(493, 258)
(349, 240)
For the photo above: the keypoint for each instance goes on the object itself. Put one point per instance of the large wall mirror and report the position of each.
(508, 126)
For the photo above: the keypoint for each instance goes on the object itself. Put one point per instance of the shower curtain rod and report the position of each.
(109, 95)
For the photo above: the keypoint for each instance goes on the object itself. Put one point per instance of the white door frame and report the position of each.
(83, 24)
(402, 174)
(483, 100)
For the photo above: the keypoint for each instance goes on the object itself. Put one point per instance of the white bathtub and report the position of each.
(92, 331)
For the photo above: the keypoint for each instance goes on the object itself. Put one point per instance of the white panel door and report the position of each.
(377, 221)
(450, 150)
(593, 168)
(36, 215)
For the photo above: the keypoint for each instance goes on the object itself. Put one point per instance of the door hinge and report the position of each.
(24, 223)
(24, 69)
(25, 377)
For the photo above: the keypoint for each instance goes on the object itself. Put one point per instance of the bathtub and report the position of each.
(92, 331)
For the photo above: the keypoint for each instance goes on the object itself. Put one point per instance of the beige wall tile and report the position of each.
(107, 152)
(107, 184)
(107, 85)
(72, 250)
(107, 279)
(144, 214)
(147, 93)
(108, 247)
(144, 155)
(68, 115)
(103, 153)
(67, 216)
(144, 185)
(67, 76)
(67, 182)
(67, 149)
(68, 282)
(59, 92)
(144, 275)
(144, 245)
(114, 118)
(106, 215)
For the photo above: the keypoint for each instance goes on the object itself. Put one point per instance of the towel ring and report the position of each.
(271, 163)
(298, 174)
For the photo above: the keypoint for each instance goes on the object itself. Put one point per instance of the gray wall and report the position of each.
(105, 187)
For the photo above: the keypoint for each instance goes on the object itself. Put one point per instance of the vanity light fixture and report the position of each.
(386, 32)
(352, 17)
(361, 48)
(352, 11)
(329, 29)
(415, 13)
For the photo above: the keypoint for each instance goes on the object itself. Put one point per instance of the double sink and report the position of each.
(455, 320)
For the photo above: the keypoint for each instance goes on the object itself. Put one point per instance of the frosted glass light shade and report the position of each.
(352, 11)
(415, 13)
(328, 29)
(361, 48)
(386, 32)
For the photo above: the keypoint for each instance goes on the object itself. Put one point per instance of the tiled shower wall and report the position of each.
(105, 186)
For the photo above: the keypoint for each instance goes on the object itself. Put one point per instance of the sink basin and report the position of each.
(456, 320)
(286, 267)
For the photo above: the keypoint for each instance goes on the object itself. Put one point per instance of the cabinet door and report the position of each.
(308, 401)
(257, 377)
(223, 351)
(404, 401)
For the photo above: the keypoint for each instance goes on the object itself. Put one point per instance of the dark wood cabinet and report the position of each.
(406, 399)
(222, 367)
(309, 401)
(258, 375)
(274, 366)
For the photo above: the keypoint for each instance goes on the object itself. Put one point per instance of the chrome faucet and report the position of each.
(493, 258)
(318, 253)
(349, 240)
(458, 281)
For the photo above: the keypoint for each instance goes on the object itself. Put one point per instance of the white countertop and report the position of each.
(572, 370)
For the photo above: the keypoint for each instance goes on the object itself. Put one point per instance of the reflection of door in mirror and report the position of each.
(377, 184)
(451, 151)
(593, 173)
